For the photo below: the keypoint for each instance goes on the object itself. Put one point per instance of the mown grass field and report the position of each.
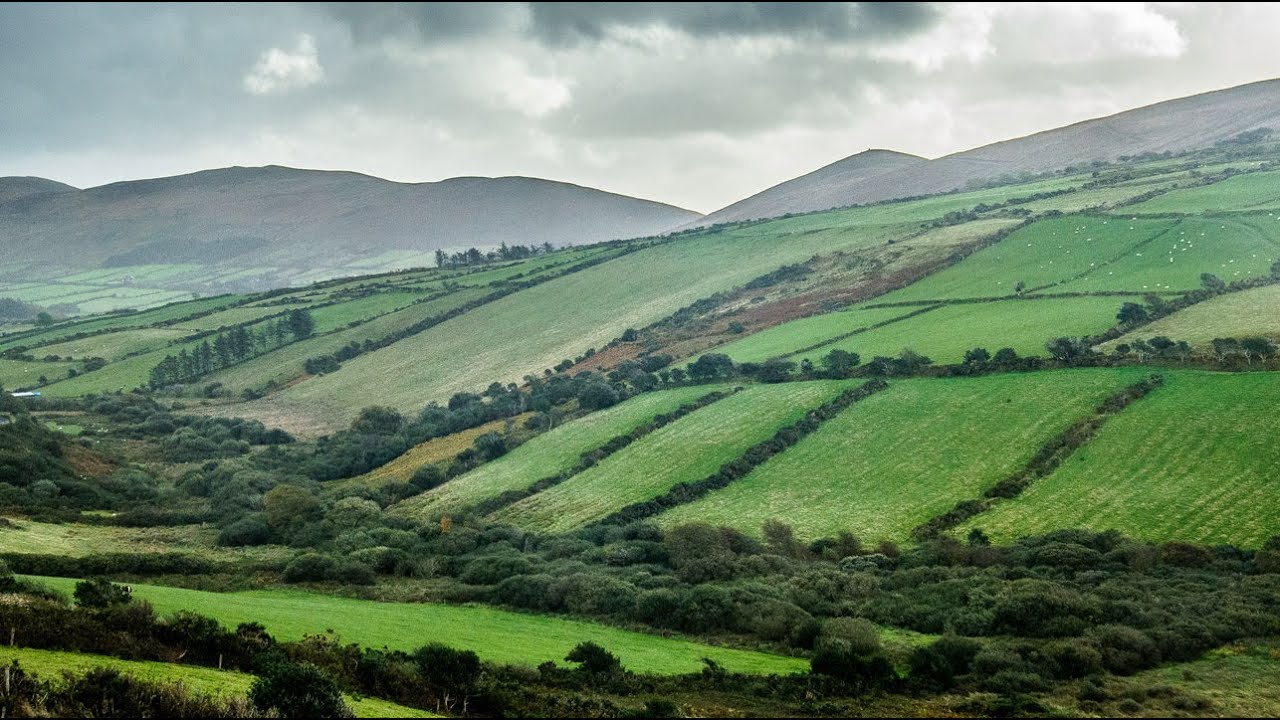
(50, 664)
(495, 635)
(22, 373)
(687, 450)
(546, 454)
(437, 450)
(1194, 461)
(1243, 192)
(891, 462)
(1235, 315)
(74, 540)
(945, 334)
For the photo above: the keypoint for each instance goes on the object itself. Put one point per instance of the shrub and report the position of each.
(594, 659)
(99, 593)
(307, 567)
(295, 690)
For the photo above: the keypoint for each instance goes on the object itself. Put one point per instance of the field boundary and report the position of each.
(1050, 456)
(753, 457)
(593, 456)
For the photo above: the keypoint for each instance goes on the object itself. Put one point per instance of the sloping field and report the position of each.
(684, 451)
(547, 454)
(1235, 315)
(118, 322)
(536, 328)
(495, 635)
(785, 339)
(50, 664)
(22, 373)
(1231, 248)
(115, 345)
(1196, 461)
(900, 457)
(1243, 192)
(1039, 255)
(76, 540)
(441, 449)
(946, 333)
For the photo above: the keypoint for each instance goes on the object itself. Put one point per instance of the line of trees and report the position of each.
(235, 345)
(475, 256)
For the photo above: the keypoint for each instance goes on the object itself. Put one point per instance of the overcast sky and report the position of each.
(695, 104)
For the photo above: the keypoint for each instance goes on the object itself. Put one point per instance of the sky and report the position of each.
(693, 104)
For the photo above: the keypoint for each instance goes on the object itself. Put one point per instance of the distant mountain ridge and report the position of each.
(286, 217)
(1186, 123)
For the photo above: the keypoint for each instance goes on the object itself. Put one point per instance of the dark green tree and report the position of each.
(840, 363)
(1132, 314)
(295, 690)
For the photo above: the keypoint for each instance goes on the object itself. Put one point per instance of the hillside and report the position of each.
(1177, 125)
(240, 228)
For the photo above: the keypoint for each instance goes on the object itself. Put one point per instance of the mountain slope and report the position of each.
(1175, 125)
(284, 217)
(19, 187)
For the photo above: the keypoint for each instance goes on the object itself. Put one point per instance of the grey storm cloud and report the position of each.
(697, 104)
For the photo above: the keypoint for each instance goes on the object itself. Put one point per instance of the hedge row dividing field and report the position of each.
(1195, 461)
(495, 635)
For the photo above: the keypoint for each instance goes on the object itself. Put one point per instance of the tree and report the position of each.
(1068, 350)
(285, 504)
(99, 593)
(1275, 270)
(1132, 314)
(1224, 348)
(776, 370)
(977, 356)
(1005, 357)
(441, 258)
(295, 690)
(1020, 287)
(840, 363)
(629, 335)
(1259, 347)
(711, 366)
(1212, 283)
(44, 319)
(1162, 345)
(594, 659)
(300, 323)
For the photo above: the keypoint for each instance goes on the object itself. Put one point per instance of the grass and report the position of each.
(21, 373)
(546, 454)
(1242, 314)
(441, 449)
(1041, 254)
(495, 635)
(684, 451)
(902, 456)
(1194, 461)
(166, 313)
(1243, 192)
(945, 334)
(50, 664)
(113, 346)
(782, 340)
(74, 540)
(1231, 248)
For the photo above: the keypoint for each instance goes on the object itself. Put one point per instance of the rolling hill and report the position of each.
(263, 227)
(1186, 123)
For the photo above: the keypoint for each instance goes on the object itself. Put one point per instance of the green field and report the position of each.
(167, 313)
(1195, 461)
(546, 454)
(1040, 255)
(495, 635)
(785, 339)
(113, 346)
(1229, 247)
(945, 334)
(50, 664)
(75, 540)
(1243, 192)
(21, 373)
(1235, 315)
(687, 450)
(904, 455)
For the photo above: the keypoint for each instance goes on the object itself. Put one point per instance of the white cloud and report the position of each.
(279, 71)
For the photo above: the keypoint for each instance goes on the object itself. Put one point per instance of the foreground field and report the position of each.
(494, 635)
(902, 456)
(49, 664)
(1194, 461)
